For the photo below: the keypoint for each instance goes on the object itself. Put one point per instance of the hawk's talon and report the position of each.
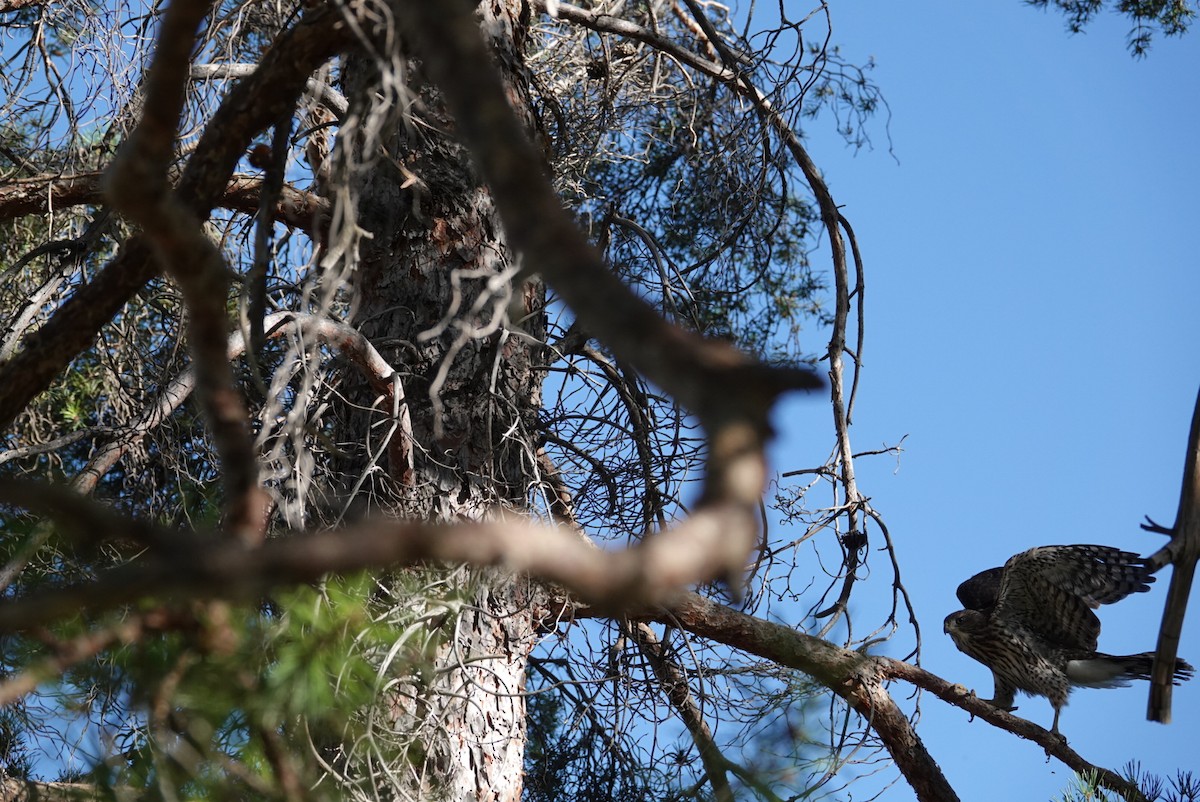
(1056, 736)
(970, 693)
(992, 702)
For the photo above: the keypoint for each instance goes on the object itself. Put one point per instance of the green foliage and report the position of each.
(230, 698)
(1168, 17)
(1183, 787)
(74, 399)
(14, 752)
(318, 652)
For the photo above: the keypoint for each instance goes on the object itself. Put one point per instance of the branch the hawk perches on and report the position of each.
(1031, 622)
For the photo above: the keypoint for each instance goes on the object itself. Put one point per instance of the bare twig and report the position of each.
(731, 73)
(69, 654)
(851, 675)
(351, 343)
(674, 682)
(325, 93)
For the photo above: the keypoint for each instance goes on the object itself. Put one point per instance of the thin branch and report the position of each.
(353, 346)
(69, 654)
(608, 23)
(851, 675)
(42, 448)
(1053, 744)
(859, 294)
(351, 343)
(674, 682)
(855, 538)
(739, 81)
(322, 91)
(264, 239)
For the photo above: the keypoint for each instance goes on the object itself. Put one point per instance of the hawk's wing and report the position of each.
(982, 591)
(1051, 590)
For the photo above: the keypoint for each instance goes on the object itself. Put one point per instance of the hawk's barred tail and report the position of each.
(1113, 671)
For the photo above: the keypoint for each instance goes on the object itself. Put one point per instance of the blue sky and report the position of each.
(1032, 327)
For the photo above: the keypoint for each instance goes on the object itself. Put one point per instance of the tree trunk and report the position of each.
(434, 293)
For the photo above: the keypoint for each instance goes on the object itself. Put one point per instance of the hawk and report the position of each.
(1031, 622)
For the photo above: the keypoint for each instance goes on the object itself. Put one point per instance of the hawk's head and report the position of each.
(964, 624)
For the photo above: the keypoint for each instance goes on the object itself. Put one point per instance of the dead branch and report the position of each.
(305, 211)
(1182, 551)
(600, 21)
(832, 220)
(323, 92)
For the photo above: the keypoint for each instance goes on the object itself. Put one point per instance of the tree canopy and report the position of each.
(386, 390)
